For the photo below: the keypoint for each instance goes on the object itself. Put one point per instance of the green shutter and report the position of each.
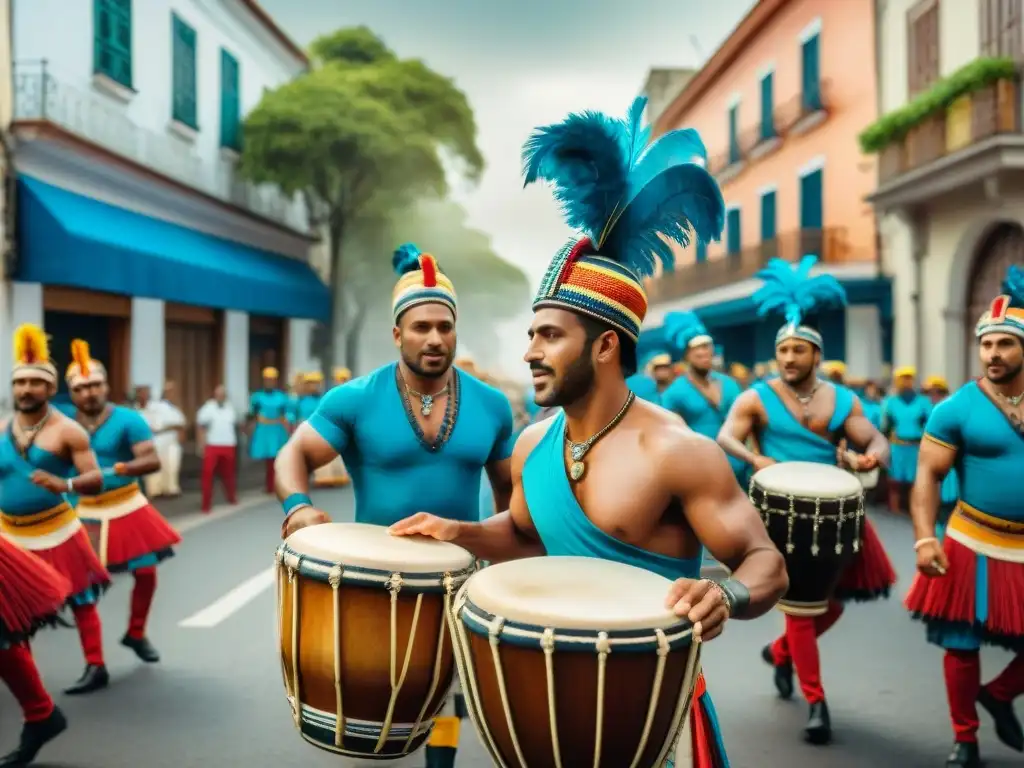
(230, 102)
(112, 40)
(811, 203)
(811, 74)
(183, 85)
(767, 108)
(733, 236)
(768, 216)
(734, 139)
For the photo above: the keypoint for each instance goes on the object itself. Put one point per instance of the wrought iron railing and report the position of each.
(39, 96)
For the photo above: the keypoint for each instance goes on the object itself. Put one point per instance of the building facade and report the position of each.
(950, 193)
(779, 107)
(133, 229)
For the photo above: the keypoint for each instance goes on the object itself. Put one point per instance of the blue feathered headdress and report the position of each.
(790, 290)
(684, 330)
(1006, 314)
(629, 199)
(420, 281)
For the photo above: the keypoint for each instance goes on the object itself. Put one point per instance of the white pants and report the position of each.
(165, 482)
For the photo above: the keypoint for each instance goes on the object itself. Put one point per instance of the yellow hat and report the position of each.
(313, 377)
(342, 374)
(936, 382)
(83, 369)
(270, 372)
(905, 372)
(32, 355)
(835, 366)
(659, 360)
(738, 370)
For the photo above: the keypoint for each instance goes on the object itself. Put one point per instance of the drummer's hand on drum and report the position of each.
(931, 559)
(761, 462)
(303, 518)
(425, 524)
(702, 603)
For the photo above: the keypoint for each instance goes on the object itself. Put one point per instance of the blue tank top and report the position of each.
(989, 451)
(113, 440)
(18, 496)
(644, 387)
(394, 475)
(563, 526)
(270, 404)
(783, 438)
(700, 415)
(905, 418)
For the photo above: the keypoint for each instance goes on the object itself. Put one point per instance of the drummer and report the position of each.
(612, 476)
(414, 435)
(800, 417)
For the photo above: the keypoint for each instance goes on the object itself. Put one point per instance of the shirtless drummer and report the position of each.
(611, 476)
(800, 417)
(416, 434)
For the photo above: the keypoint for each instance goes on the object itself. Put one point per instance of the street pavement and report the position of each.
(217, 698)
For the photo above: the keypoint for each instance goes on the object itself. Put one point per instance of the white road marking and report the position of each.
(225, 607)
(193, 520)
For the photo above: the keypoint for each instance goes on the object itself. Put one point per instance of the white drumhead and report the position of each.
(809, 480)
(869, 480)
(371, 546)
(573, 593)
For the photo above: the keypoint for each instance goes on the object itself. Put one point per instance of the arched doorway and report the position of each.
(1003, 246)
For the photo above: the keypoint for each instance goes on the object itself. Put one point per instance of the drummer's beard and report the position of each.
(574, 384)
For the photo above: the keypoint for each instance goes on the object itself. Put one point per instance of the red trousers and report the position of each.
(219, 461)
(270, 476)
(18, 670)
(963, 681)
(800, 645)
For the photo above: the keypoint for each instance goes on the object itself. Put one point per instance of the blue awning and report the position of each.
(67, 239)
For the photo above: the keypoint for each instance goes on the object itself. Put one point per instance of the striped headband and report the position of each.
(422, 282)
(1002, 317)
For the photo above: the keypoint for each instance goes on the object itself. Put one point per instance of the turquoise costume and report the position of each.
(903, 417)
(305, 406)
(644, 387)
(783, 438)
(872, 412)
(394, 472)
(272, 411)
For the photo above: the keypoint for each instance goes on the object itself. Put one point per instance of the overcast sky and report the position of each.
(525, 64)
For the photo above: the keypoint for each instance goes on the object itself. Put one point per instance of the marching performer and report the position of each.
(800, 417)
(701, 396)
(970, 587)
(270, 413)
(129, 534)
(309, 392)
(904, 414)
(40, 450)
(644, 384)
(415, 434)
(334, 474)
(628, 462)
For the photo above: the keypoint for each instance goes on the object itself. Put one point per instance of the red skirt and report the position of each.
(705, 735)
(124, 528)
(31, 593)
(871, 575)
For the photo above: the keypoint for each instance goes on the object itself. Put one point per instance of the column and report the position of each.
(147, 359)
(236, 359)
(300, 357)
(863, 341)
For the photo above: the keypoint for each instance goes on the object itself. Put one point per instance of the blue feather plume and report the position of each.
(630, 198)
(406, 258)
(1014, 285)
(681, 328)
(791, 290)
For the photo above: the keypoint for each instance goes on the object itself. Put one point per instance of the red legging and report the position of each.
(963, 681)
(800, 645)
(18, 670)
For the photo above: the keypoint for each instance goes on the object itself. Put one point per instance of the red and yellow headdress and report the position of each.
(420, 281)
(83, 369)
(1006, 313)
(32, 355)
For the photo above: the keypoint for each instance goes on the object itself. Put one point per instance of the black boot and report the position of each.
(783, 678)
(34, 736)
(819, 724)
(94, 678)
(142, 648)
(1008, 727)
(964, 755)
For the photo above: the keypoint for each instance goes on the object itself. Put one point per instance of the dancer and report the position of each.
(970, 587)
(701, 396)
(644, 384)
(31, 595)
(800, 417)
(415, 434)
(270, 413)
(904, 414)
(612, 476)
(127, 531)
(39, 452)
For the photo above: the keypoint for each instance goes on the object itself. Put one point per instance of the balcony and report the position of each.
(41, 98)
(794, 117)
(831, 245)
(965, 148)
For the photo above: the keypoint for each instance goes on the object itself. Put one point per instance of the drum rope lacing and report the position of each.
(816, 518)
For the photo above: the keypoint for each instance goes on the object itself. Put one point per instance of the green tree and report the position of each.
(362, 134)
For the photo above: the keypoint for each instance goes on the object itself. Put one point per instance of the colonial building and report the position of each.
(779, 106)
(950, 191)
(133, 229)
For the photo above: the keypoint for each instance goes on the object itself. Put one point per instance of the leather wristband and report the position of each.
(736, 595)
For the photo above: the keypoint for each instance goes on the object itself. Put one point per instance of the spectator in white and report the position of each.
(168, 425)
(217, 435)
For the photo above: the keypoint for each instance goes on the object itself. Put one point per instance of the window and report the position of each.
(230, 105)
(767, 107)
(702, 251)
(768, 216)
(733, 233)
(1000, 26)
(183, 78)
(810, 59)
(811, 205)
(922, 46)
(112, 40)
(734, 139)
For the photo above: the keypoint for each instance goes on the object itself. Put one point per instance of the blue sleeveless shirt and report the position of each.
(563, 526)
(113, 440)
(18, 496)
(783, 438)
(905, 419)
(700, 415)
(644, 387)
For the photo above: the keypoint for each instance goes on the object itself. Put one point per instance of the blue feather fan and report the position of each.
(632, 200)
(406, 258)
(790, 289)
(1014, 285)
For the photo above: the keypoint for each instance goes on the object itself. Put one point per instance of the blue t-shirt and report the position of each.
(114, 439)
(393, 473)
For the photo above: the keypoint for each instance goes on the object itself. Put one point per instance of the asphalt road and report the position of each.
(217, 698)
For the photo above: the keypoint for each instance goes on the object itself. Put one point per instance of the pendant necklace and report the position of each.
(577, 451)
(426, 401)
(1015, 401)
(805, 400)
(29, 433)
